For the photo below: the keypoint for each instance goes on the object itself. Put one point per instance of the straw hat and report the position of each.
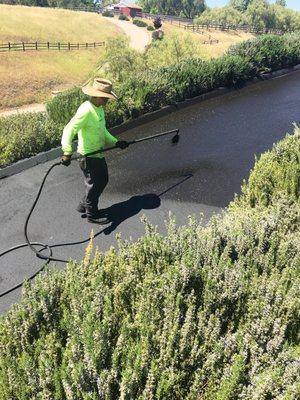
(100, 88)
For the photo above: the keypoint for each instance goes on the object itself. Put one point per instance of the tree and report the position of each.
(192, 8)
(261, 14)
(226, 15)
(186, 8)
(240, 5)
(280, 3)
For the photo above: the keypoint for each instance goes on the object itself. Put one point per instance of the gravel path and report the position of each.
(139, 37)
(22, 109)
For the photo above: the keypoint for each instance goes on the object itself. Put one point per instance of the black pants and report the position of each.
(95, 179)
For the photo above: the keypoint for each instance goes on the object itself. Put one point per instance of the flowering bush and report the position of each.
(208, 312)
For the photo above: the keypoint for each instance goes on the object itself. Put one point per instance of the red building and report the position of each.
(131, 10)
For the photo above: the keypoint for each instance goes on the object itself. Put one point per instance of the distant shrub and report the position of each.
(107, 13)
(157, 23)
(123, 17)
(157, 35)
(150, 28)
(139, 23)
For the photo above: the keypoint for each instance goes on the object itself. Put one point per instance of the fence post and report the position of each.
(86, 45)
(59, 46)
(36, 46)
(8, 46)
(94, 44)
(23, 46)
(77, 45)
(48, 45)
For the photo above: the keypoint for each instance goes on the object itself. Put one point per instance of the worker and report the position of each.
(89, 124)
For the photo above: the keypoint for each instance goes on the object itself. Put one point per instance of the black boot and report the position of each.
(81, 208)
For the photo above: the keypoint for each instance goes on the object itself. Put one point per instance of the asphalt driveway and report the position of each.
(219, 139)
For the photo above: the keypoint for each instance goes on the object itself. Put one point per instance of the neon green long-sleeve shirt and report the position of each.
(89, 124)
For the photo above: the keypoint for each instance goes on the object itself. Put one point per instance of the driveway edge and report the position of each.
(49, 155)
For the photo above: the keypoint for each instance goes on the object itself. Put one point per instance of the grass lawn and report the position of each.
(28, 77)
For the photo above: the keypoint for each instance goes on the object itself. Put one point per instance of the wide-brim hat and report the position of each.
(100, 88)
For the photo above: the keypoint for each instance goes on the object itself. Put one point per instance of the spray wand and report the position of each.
(174, 140)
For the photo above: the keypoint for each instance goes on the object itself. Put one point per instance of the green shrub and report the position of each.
(123, 17)
(107, 13)
(139, 23)
(150, 28)
(25, 135)
(269, 52)
(276, 173)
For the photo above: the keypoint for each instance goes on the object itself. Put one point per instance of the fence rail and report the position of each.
(245, 28)
(27, 46)
(196, 28)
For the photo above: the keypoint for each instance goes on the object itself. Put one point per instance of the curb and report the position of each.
(49, 155)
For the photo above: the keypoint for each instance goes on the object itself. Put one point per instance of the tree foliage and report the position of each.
(240, 5)
(281, 3)
(184, 8)
(258, 13)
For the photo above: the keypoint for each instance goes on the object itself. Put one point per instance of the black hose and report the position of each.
(38, 253)
(49, 257)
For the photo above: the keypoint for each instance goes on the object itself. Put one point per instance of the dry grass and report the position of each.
(211, 50)
(30, 76)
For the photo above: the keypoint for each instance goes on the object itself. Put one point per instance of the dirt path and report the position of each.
(22, 109)
(139, 38)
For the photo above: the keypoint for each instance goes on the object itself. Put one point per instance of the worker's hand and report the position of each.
(66, 160)
(122, 144)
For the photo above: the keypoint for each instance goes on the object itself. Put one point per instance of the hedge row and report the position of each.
(204, 312)
(25, 135)
(152, 89)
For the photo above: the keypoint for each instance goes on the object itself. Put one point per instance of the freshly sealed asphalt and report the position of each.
(219, 140)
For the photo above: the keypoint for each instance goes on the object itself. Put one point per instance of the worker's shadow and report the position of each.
(117, 213)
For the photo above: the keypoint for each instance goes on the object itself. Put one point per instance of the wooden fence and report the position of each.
(26, 46)
(245, 28)
(196, 28)
(216, 25)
